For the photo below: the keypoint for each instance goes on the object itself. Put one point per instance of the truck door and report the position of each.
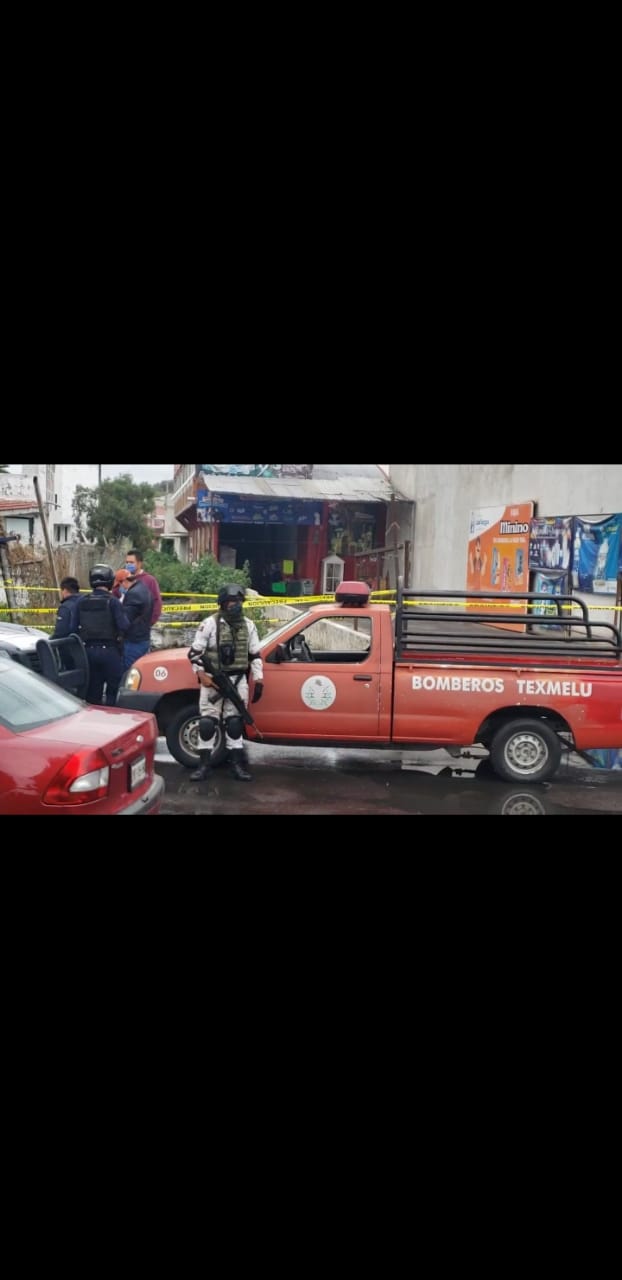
(327, 682)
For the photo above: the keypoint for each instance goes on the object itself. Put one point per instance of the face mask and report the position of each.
(131, 568)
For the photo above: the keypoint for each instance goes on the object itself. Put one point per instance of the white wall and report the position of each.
(445, 495)
(64, 479)
(17, 486)
(68, 477)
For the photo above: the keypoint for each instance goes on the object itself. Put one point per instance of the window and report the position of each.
(344, 639)
(27, 700)
(332, 574)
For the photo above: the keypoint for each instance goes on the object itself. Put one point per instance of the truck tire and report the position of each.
(525, 750)
(182, 739)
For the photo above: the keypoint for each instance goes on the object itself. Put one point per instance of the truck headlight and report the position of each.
(132, 679)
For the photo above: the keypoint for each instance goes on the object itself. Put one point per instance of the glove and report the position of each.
(258, 691)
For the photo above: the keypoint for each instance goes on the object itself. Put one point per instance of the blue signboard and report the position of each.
(228, 509)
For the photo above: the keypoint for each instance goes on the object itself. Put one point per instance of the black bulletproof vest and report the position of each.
(96, 621)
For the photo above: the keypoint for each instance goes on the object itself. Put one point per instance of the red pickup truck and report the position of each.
(446, 671)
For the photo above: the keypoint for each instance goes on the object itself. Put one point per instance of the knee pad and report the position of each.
(235, 727)
(207, 728)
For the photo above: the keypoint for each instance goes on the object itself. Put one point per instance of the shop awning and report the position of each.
(342, 488)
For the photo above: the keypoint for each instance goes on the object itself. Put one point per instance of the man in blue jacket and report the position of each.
(67, 616)
(138, 604)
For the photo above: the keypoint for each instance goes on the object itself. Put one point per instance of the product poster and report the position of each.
(552, 584)
(596, 554)
(605, 758)
(550, 543)
(498, 555)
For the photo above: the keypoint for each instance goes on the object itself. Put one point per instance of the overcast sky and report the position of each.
(151, 472)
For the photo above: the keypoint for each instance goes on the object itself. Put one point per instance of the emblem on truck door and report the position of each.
(318, 693)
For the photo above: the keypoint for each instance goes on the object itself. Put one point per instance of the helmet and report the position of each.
(101, 575)
(231, 591)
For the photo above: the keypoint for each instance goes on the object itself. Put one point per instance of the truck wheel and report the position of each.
(525, 749)
(183, 742)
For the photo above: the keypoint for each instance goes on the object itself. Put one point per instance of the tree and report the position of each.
(116, 509)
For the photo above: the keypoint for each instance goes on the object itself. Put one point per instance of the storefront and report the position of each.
(300, 529)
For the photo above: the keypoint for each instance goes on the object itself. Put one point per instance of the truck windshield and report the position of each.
(273, 635)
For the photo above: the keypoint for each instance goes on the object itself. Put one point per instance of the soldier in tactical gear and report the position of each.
(231, 643)
(102, 623)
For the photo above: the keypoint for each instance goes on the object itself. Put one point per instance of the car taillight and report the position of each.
(83, 778)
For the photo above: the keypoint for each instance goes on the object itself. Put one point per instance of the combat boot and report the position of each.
(202, 773)
(239, 766)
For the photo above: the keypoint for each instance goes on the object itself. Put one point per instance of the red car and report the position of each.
(58, 755)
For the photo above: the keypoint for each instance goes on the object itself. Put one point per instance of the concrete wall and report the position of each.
(445, 494)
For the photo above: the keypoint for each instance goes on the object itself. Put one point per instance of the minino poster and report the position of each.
(498, 554)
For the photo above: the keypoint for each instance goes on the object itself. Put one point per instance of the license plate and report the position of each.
(138, 772)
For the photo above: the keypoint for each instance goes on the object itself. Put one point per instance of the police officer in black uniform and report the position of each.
(67, 616)
(102, 624)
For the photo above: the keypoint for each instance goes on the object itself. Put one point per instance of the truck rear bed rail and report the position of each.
(468, 626)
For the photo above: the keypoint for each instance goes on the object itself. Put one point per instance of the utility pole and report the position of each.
(35, 481)
(99, 474)
(6, 577)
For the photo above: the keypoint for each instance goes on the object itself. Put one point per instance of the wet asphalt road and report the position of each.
(328, 781)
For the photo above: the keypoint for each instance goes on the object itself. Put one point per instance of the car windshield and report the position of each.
(28, 701)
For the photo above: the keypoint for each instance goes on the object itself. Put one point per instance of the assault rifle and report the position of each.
(228, 690)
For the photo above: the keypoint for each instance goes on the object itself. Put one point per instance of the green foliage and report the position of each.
(172, 575)
(205, 579)
(116, 510)
(209, 576)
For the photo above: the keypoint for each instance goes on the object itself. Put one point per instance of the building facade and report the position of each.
(302, 528)
(57, 486)
(445, 495)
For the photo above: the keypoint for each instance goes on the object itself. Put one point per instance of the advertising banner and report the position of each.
(552, 584)
(498, 554)
(596, 554)
(256, 469)
(229, 509)
(605, 758)
(550, 543)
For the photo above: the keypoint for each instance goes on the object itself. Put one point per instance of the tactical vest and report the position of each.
(97, 625)
(230, 644)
